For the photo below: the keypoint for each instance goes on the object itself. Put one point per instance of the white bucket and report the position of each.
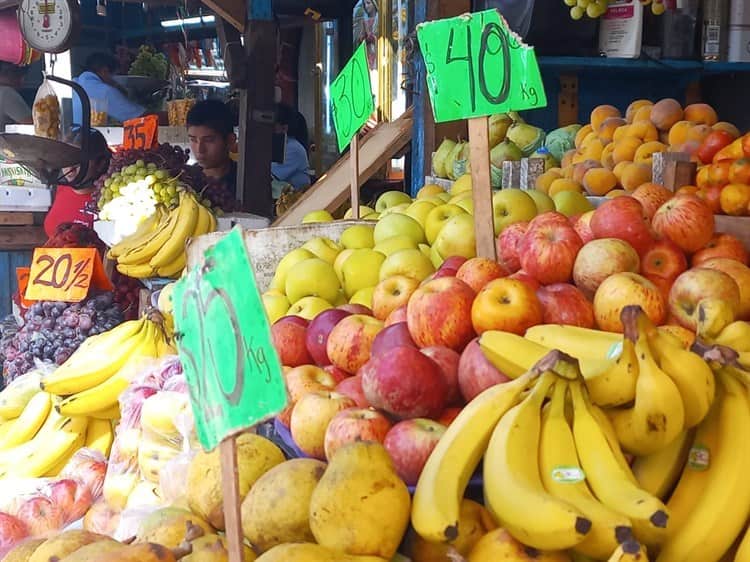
(739, 43)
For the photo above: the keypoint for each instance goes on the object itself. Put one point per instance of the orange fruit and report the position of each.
(735, 199)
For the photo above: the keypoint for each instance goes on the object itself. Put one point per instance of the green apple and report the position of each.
(395, 209)
(395, 224)
(360, 270)
(411, 263)
(363, 211)
(317, 216)
(371, 217)
(340, 299)
(419, 211)
(363, 297)
(510, 206)
(462, 185)
(391, 199)
(456, 238)
(292, 258)
(309, 307)
(425, 249)
(438, 217)
(339, 263)
(467, 205)
(543, 202)
(276, 305)
(395, 244)
(429, 189)
(571, 203)
(358, 236)
(323, 248)
(434, 199)
(444, 196)
(459, 197)
(313, 277)
(435, 257)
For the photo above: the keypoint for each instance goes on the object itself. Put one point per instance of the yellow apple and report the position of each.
(401, 208)
(361, 270)
(363, 211)
(543, 202)
(467, 205)
(392, 293)
(456, 238)
(395, 224)
(358, 236)
(371, 217)
(340, 299)
(339, 263)
(510, 206)
(419, 211)
(459, 197)
(323, 248)
(317, 216)
(444, 196)
(434, 199)
(571, 203)
(313, 277)
(438, 217)
(425, 249)
(429, 189)
(276, 305)
(363, 297)
(395, 244)
(411, 263)
(285, 264)
(462, 185)
(435, 257)
(391, 199)
(309, 307)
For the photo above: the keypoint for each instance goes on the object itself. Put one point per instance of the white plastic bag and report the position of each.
(46, 112)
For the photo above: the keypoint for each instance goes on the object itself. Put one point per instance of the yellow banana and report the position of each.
(743, 552)
(203, 223)
(212, 224)
(15, 396)
(99, 436)
(658, 415)
(137, 271)
(576, 341)
(175, 268)
(175, 245)
(59, 465)
(108, 414)
(722, 510)
(658, 472)
(630, 551)
(145, 250)
(611, 436)
(563, 478)
(6, 427)
(437, 498)
(145, 231)
(736, 336)
(29, 422)
(612, 483)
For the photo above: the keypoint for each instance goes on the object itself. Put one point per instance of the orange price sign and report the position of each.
(65, 274)
(141, 133)
(22, 276)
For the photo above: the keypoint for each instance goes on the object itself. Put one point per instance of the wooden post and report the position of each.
(230, 488)
(354, 162)
(484, 223)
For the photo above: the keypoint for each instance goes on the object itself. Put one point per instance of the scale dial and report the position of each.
(50, 26)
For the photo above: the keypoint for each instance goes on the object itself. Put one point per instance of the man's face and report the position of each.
(209, 147)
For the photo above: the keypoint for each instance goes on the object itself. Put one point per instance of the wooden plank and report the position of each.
(736, 226)
(333, 189)
(664, 167)
(479, 150)
(567, 100)
(233, 11)
(14, 218)
(21, 237)
(230, 488)
(354, 164)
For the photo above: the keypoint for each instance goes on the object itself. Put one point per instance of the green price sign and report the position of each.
(477, 67)
(225, 345)
(351, 98)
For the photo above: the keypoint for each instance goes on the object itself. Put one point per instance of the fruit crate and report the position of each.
(267, 246)
(737, 226)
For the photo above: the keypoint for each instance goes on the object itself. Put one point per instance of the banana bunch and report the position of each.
(90, 382)
(554, 474)
(157, 248)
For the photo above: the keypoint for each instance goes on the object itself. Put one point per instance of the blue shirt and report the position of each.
(295, 168)
(119, 107)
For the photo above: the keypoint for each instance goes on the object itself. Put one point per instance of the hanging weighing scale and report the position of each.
(50, 26)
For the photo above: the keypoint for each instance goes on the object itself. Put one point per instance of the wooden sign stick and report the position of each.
(354, 162)
(484, 222)
(230, 488)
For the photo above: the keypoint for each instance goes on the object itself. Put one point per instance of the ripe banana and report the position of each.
(175, 268)
(736, 336)
(29, 422)
(145, 231)
(563, 478)
(146, 250)
(187, 217)
(630, 551)
(137, 270)
(743, 552)
(108, 414)
(713, 316)
(658, 416)
(15, 396)
(203, 224)
(59, 465)
(437, 498)
(659, 472)
(576, 341)
(99, 436)
(612, 483)
(513, 488)
(722, 509)
(98, 358)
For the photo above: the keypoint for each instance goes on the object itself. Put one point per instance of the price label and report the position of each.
(22, 277)
(476, 66)
(141, 133)
(351, 97)
(225, 346)
(64, 274)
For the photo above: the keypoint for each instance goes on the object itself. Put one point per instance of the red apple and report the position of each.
(102, 518)
(583, 226)
(447, 360)
(352, 387)
(508, 305)
(337, 374)
(663, 284)
(88, 470)
(740, 273)
(564, 304)
(475, 373)
(452, 262)
(351, 340)
(392, 293)
(395, 335)
(443, 272)
(696, 284)
(12, 531)
(301, 380)
(405, 383)
(450, 414)
(721, 245)
(507, 245)
(318, 331)
(410, 443)
(687, 221)
(623, 218)
(548, 251)
(310, 419)
(663, 259)
(289, 339)
(398, 315)
(356, 309)
(521, 275)
(477, 272)
(355, 424)
(651, 196)
(439, 313)
(549, 218)
(81, 503)
(625, 289)
(601, 258)
(63, 494)
(40, 516)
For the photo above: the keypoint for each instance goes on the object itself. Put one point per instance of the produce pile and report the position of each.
(149, 63)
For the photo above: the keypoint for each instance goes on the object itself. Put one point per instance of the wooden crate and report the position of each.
(737, 226)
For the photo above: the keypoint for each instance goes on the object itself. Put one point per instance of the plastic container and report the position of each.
(739, 43)
(621, 30)
(12, 46)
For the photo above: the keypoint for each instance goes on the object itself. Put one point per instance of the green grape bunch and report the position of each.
(149, 63)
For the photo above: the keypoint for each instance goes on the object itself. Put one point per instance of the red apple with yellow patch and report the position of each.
(350, 342)
(721, 245)
(318, 331)
(563, 303)
(696, 284)
(477, 272)
(475, 373)
(352, 387)
(506, 304)
(601, 258)
(398, 315)
(301, 380)
(289, 335)
(623, 218)
(663, 259)
(310, 419)
(741, 275)
(447, 360)
(355, 424)
(395, 335)
(392, 293)
(626, 289)
(507, 245)
(439, 313)
(582, 226)
(687, 221)
(548, 251)
(410, 443)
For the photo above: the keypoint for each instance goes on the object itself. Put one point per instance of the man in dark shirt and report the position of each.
(210, 128)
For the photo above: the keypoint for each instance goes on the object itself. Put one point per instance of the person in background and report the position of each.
(296, 167)
(71, 204)
(97, 79)
(210, 129)
(13, 108)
